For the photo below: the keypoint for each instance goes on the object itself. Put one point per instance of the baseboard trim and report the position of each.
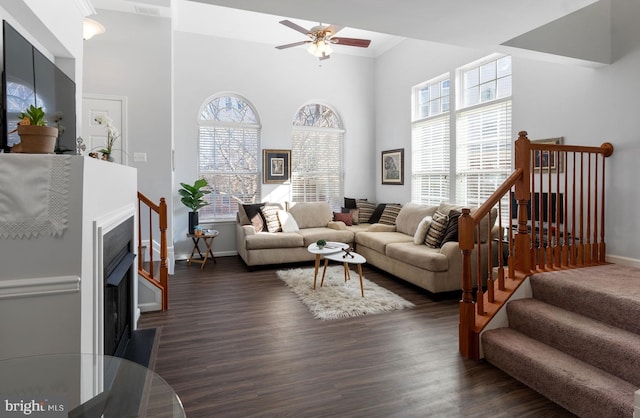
(150, 307)
(41, 286)
(623, 261)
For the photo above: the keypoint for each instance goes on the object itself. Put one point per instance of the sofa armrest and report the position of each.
(248, 230)
(337, 225)
(452, 250)
(381, 228)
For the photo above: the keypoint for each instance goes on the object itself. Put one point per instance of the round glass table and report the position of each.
(84, 385)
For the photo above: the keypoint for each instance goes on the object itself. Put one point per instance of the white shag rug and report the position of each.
(338, 299)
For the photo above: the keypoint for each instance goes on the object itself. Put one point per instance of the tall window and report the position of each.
(483, 130)
(317, 156)
(430, 142)
(229, 141)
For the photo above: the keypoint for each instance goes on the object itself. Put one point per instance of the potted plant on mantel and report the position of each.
(192, 197)
(35, 136)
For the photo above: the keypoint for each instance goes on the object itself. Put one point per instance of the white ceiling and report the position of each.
(469, 23)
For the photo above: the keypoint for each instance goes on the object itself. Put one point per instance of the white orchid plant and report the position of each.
(112, 133)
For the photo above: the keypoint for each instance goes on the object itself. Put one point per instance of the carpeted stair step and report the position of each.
(583, 389)
(608, 285)
(612, 349)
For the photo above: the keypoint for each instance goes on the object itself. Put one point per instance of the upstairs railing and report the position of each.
(557, 196)
(154, 215)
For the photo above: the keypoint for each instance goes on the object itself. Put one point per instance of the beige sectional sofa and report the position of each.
(398, 249)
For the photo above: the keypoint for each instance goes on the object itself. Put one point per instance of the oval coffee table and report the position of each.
(330, 248)
(346, 258)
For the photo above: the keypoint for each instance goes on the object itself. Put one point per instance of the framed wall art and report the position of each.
(548, 161)
(276, 165)
(393, 166)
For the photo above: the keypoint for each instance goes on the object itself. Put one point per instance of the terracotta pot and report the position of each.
(36, 139)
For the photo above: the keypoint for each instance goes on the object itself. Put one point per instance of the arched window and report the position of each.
(317, 156)
(229, 141)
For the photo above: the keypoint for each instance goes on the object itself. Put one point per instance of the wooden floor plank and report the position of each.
(237, 343)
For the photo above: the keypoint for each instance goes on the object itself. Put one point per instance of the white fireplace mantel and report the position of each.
(48, 294)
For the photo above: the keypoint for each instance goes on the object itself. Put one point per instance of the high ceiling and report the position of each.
(470, 23)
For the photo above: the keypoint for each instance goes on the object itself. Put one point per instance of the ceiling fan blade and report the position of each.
(362, 43)
(333, 29)
(293, 44)
(293, 26)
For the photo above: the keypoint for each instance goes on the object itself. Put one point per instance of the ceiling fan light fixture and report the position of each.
(319, 48)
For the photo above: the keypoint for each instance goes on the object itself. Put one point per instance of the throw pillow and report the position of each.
(344, 217)
(377, 213)
(287, 222)
(451, 234)
(365, 209)
(350, 203)
(355, 216)
(436, 230)
(390, 213)
(270, 214)
(421, 232)
(255, 216)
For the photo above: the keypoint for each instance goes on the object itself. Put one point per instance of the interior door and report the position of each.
(94, 134)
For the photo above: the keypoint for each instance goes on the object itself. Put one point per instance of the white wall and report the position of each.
(585, 105)
(277, 83)
(132, 59)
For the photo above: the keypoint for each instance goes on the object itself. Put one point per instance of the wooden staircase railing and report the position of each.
(557, 193)
(155, 212)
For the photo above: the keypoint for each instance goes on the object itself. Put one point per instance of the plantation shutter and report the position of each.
(430, 161)
(483, 151)
(316, 172)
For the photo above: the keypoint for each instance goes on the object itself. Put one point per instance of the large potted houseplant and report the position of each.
(35, 136)
(193, 198)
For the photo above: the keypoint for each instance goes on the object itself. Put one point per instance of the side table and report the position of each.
(330, 248)
(207, 237)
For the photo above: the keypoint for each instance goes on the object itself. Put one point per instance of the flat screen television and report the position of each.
(30, 78)
(557, 201)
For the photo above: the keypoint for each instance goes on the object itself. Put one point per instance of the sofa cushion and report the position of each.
(420, 256)
(379, 240)
(390, 213)
(311, 235)
(270, 214)
(365, 210)
(436, 230)
(421, 231)
(410, 216)
(311, 214)
(287, 222)
(265, 240)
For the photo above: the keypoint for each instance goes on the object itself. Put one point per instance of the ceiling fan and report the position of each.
(321, 38)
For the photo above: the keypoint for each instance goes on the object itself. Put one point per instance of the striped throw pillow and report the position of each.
(365, 210)
(390, 213)
(436, 231)
(271, 216)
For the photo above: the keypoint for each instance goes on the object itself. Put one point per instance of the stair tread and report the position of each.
(590, 340)
(593, 391)
(593, 295)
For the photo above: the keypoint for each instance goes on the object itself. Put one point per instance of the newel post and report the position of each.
(522, 196)
(467, 337)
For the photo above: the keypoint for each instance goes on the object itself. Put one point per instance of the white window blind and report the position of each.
(483, 151)
(430, 161)
(316, 172)
(229, 143)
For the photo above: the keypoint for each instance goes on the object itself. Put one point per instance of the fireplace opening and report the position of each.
(119, 274)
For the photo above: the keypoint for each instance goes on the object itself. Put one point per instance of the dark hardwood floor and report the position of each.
(237, 343)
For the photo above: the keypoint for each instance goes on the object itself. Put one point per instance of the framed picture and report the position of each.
(276, 165)
(393, 166)
(548, 161)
